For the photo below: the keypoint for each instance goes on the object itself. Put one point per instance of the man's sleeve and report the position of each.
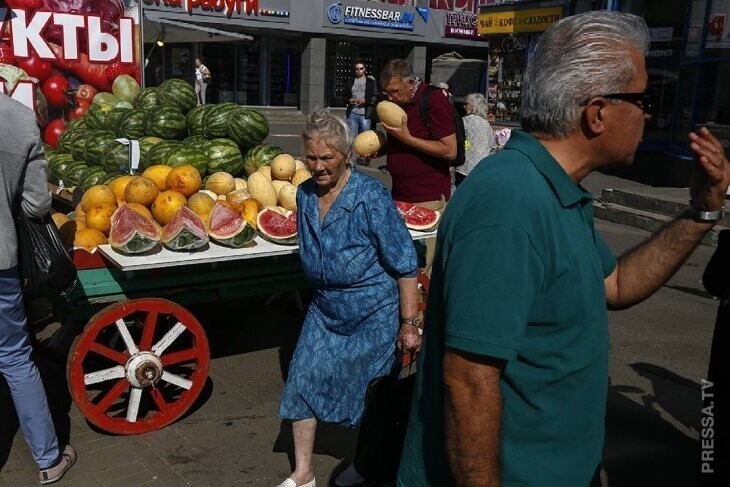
(36, 201)
(608, 260)
(440, 116)
(493, 276)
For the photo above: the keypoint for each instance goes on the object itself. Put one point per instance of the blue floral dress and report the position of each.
(353, 260)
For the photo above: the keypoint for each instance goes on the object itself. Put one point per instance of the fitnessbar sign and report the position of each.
(370, 17)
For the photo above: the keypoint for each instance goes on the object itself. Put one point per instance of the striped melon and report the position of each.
(179, 94)
(224, 155)
(96, 145)
(215, 120)
(184, 155)
(132, 124)
(166, 122)
(157, 154)
(247, 127)
(195, 119)
(259, 156)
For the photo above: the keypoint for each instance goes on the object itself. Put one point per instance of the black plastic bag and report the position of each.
(45, 264)
(383, 427)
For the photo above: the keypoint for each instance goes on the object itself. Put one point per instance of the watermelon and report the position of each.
(147, 99)
(64, 141)
(179, 94)
(418, 217)
(97, 116)
(247, 127)
(72, 174)
(195, 141)
(215, 120)
(166, 122)
(228, 228)
(224, 155)
(195, 119)
(108, 178)
(132, 233)
(116, 158)
(76, 123)
(114, 116)
(78, 143)
(157, 154)
(91, 177)
(145, 144)
(184, 155)
(276, 227)
(95, 146)
(258, 156)
(58, 168)
(185, 231)
(132, 124)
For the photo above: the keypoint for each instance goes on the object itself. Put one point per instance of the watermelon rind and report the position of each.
(259, 156)
(145, 144)
(224, 155)
(76, 123)
(137, 244)
(72, 175)
(116, 158)
(179, 94)
(157, 154)
(57, 170)
(147, 99)
(191, 234)
(247, 127)
(185, 240)
(95, 146)
(97, 116)
(166, 122)
(115, 116)
(215, 120)
(132, 124)
(184, 155)
(64, 141)
(137, 241)
(409, 213)
(91, 177)
(266, 234)
(195, 119)
(197, 141)
(241, 237)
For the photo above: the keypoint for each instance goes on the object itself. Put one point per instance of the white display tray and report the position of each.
(162, 257)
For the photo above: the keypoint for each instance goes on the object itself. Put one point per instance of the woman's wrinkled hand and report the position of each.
(409, 340)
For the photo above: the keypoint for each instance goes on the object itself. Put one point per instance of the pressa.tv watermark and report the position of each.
(707, 429)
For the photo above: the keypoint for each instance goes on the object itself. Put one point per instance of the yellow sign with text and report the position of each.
(513, 21)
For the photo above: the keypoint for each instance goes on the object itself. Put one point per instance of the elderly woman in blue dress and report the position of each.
(360, 260)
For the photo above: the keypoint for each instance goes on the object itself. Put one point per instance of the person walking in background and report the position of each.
(202, 79)
(23, 187)
(360, 99)
(513, 376)
(479, 135)
(358, 255)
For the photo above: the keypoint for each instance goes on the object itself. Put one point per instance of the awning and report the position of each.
(195, 26)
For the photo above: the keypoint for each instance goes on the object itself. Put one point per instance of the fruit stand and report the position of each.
(142, 359)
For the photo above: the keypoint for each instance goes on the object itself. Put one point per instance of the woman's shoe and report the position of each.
(291, 483)
(54, 474)
(349, 478)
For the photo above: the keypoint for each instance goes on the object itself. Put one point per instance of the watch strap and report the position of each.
(706, 216)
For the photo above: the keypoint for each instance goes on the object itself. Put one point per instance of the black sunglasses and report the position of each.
(645, 101)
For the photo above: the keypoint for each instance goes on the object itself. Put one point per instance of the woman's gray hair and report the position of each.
(333, 130)
(577, 58)
(479, 105)
(396, 68)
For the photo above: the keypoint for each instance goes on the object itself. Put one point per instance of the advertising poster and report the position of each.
(57, 56)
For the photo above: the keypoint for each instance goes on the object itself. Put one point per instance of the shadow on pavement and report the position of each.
(642, 447)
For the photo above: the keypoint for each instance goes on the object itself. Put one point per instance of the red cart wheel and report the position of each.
(138, 366)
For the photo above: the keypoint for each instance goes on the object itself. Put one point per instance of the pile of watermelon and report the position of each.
(171, 130)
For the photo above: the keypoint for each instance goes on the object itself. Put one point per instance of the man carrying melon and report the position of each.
(418, 154)
(512, 381)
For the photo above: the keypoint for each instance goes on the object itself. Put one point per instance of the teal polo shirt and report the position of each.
(519, 275)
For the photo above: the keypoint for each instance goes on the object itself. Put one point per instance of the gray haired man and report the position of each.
(512, 378)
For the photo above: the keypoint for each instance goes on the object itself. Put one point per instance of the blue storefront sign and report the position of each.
(367, 16)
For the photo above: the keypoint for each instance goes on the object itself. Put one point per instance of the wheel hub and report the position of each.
(144, 369)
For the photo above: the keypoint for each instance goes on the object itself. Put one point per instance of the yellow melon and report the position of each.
(278, 185)
(59, 219)
(201, 203)
(300, 164)
(142, 210)
(220, 183)
(300, 176)
(261, 188)
(185, 180)
(80, 222)
(210, 193)
(118, 185)
(368, 143)
(158, 173)
(97, 195)
(100, 217)
(166, 205)
(78, 211)
(283, 167)
(241, 183)
(141, 190)
(288, 197)
(390, 114)
(250, 210)
(266, 171)
(89, 238)
(236, 198)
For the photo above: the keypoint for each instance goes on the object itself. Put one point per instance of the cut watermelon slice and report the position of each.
(228, 227)
(132, 233)
(418, 217)
(278, 227)
(185, 231)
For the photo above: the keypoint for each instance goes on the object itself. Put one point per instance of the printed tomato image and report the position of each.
(35, 67)
(56, 89)
(26, 4)
(85, 93)
(79, 110)
(6, 54)
(53, 131)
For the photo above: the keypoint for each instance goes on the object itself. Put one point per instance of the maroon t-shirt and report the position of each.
(417, 176)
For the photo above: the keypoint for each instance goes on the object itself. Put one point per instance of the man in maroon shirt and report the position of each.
(418, 155)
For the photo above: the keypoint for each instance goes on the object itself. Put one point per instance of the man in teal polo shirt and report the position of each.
(513, 375)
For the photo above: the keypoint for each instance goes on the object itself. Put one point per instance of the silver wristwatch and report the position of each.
(417, 322)
(706, 216)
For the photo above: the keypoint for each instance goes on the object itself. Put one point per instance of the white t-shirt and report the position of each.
(199, 72)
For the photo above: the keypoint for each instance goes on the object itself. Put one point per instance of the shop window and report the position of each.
(248, 92)
(285, 61)
(218, 57)
(714, 109)
(153, 73)
(507, 62)
(694, 32)
(717, 37)
(179, 61)
(685, 106)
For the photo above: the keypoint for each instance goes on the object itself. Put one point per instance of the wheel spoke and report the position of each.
(160, 347)
(149, 330)
(159, 400)
(116, 372)
(113, 395)
(109, 353)
(178, 357)
(135, 395)
(124, 332)
(176, 380)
